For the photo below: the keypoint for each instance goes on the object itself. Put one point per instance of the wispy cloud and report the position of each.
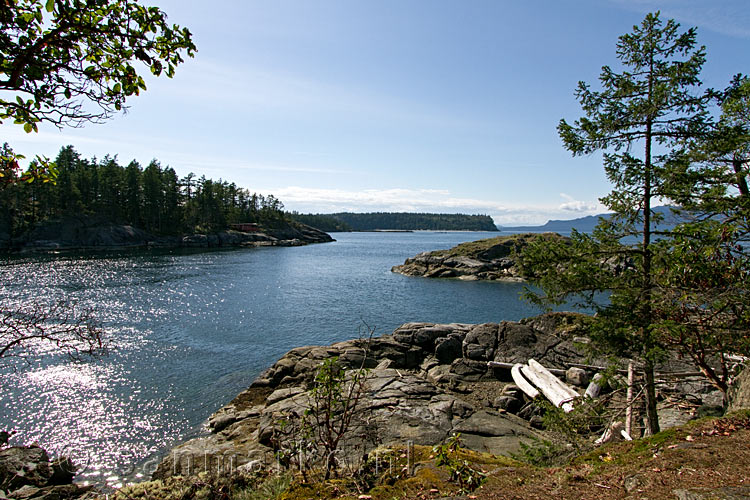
(167, 150)
(222, 165)
(15, 135)
(255, 89)
(321, 200)
(723, 16)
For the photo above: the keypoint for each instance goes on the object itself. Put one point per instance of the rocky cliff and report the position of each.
(488, 259)
(95, 233)
(426, 381)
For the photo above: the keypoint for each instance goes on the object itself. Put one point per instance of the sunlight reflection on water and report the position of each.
(190, 330)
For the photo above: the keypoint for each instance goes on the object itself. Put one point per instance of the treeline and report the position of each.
(152, 198)
(406, 221)
(323, 222)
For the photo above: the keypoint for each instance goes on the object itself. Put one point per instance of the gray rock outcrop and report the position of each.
(425, 382)
(96, 233)
(739, 392)
(490, 259)
(419, 389)
(26, 472)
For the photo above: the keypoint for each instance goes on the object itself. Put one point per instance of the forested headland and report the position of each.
(153, 198)
(324, 222)
(397, 221)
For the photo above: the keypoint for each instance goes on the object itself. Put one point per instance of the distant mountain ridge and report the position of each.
(582, 224)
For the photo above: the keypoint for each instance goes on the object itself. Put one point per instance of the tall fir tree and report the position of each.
(645, 108)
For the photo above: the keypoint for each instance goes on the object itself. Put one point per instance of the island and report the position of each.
(397, 221)
(490, 259)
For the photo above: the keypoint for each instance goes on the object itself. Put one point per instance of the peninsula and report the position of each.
(397, 221)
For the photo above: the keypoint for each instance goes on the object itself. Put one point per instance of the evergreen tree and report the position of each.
(172, 215)
(133, 195)
(153, 198)
(704, 304)
(111, 191)
(642, 113)
(68, 196)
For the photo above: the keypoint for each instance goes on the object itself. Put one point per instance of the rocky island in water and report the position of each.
(489, 259)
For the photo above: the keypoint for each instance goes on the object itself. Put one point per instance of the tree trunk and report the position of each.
(651, 414)
(741, 180)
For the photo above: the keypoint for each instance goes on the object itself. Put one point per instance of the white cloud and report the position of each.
(323, 200)
(579, 206)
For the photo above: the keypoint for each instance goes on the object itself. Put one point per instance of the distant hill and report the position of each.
(407, 221)
(582, 224)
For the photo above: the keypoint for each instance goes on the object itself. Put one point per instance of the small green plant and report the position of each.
(542, 453)
(294, 442)
(572, 432)
(272, 487)
(332, 414)
(587, 417)
(334, 399)
(462, 473)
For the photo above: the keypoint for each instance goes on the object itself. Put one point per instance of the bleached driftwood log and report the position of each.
(629, 400)
(521, 381)
(509, 366)
(552, 387)
(595, 386)
(614, 432)
(596, 368)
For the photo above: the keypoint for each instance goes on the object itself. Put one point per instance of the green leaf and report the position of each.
(28, 127)
(50, 5)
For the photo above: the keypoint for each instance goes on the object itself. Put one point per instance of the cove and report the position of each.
(190, 330)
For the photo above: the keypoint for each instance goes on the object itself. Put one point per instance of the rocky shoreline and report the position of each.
(491, 259)
(426, 381)
(86, 233)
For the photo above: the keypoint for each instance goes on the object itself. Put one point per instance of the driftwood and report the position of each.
(595, 386)
(595, 368)
(521, 381)
(509, 366)
(629, 408)
(553, 389)
(614, 432)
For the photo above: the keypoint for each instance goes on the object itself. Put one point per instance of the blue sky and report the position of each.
(392, 105)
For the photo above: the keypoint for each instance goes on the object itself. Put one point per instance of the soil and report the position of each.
(703, 458)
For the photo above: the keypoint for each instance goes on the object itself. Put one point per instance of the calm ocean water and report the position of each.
(192, 329)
